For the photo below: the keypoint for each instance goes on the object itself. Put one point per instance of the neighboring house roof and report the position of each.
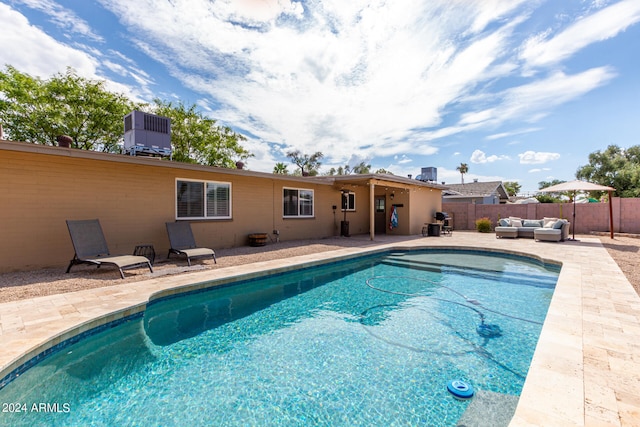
(478, 189)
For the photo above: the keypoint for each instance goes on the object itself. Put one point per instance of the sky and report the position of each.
(519, 90)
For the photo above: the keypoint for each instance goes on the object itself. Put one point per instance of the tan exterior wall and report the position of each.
(132, 202)
(424, 205)
(41, 187)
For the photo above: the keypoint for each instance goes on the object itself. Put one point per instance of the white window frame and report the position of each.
(350, 196)
(299, 206)
(205, 184)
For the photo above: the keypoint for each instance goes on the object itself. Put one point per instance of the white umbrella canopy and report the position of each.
(578, 185)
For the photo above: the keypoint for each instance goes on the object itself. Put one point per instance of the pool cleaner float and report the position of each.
(460, 389)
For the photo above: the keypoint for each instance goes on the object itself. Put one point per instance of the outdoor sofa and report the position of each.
(546, 229)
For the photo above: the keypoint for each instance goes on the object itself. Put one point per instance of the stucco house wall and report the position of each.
(133, 197)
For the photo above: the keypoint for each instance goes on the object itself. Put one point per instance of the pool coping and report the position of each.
(585, 368)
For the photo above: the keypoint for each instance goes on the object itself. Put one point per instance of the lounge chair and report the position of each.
(183, 243)
(91, 247)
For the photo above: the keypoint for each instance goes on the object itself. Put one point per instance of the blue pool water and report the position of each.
(367, 342)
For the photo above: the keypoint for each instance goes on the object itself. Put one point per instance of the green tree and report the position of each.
(463, 169)
(512, 187)
(382, 170)
(550, 197)
(198, 139)
(362, 168)
(615, 167)
(37, 111)
(280, 168)
(308, 164)
(346, 170)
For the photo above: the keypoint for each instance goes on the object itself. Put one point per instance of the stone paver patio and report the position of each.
(585, 371)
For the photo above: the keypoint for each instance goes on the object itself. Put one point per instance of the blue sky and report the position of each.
(520, 90)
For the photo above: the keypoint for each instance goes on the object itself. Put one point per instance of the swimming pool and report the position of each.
(372, 341)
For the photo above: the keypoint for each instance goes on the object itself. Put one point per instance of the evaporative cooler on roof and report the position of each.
(147, 134)
(429, 174)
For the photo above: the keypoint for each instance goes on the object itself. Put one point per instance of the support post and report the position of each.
(372, 210)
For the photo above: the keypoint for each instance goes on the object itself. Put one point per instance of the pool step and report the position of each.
(489, 409)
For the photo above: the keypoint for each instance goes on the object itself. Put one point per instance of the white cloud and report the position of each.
(63, 18)
(535, 170)
(479, 156)
(402, 159)
(31, 51)
(263, 10)
(356, 79)
(344, 76)
(511, 133)
(540, 50)
(533, 157)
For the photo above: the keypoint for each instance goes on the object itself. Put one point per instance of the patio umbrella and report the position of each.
(582, 186)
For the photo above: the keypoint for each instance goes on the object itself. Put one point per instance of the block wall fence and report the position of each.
(590, 217)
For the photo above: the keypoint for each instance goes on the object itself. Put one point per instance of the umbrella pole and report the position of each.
(574, 217)
(610, 215)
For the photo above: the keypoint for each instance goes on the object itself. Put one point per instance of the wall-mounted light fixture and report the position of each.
(392, 196)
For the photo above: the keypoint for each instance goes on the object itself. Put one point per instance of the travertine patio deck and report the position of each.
(585, 371)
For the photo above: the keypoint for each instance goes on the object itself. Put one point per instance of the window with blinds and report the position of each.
(203, 199)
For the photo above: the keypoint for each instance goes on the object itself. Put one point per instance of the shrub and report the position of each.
(483, 225)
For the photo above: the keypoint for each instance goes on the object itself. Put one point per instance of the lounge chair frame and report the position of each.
(90, 247)
(183, 243)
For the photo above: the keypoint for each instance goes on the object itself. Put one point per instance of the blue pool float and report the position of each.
(460, 389)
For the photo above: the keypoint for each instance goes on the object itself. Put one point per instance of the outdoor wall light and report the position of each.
(392, 196)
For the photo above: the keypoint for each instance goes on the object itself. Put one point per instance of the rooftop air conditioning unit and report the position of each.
(429, 174)
(147, 134)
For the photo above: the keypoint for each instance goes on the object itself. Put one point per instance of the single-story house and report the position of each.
(480, 193)
(133, 197)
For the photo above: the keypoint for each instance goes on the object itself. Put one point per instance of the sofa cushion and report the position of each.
(532, 223)
(504, 222)
(515, 222)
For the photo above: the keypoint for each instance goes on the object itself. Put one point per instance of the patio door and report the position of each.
(380, 215)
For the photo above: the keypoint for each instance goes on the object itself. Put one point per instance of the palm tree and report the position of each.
(463, 168)
(362, 168)
(280, 168)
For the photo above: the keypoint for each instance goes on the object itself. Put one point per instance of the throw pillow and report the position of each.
(548, 223)
(558, 224)
(516, 222)
(504, 222)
